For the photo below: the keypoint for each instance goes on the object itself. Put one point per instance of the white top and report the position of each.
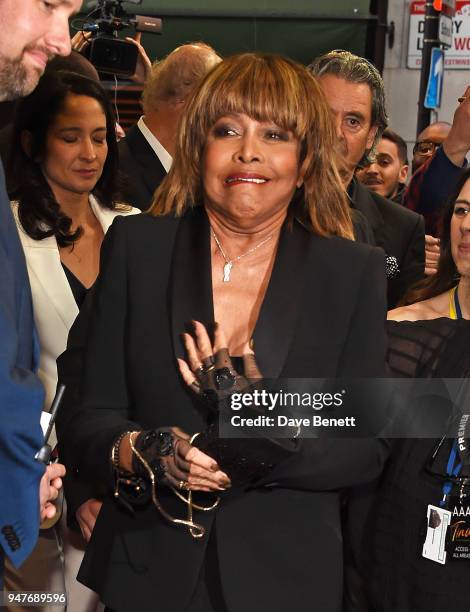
(156, 145)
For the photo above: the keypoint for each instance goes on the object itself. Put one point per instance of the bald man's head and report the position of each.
(427, 141)
(174, 78)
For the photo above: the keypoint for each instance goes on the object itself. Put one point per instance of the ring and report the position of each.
(224, 379)
(207, 362)
(181, 484)
(202, 370)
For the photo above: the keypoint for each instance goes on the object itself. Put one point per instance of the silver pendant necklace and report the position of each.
(229, 262)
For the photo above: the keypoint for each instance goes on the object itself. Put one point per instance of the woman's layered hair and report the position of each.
(447, 275)
(266, 88)
(39, 212)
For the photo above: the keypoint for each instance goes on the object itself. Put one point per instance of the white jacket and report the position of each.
(54, 306)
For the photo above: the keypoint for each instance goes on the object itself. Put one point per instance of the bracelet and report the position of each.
(115, 450)
(196, 530)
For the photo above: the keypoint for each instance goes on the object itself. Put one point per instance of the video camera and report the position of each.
(106, 51)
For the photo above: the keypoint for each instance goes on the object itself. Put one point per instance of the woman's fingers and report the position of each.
(198, 459)
(191, 351)
(180, 433)
(220, 341)
(183, 465)
(86, 533)
(171, 469)
(188, 376)
(194, 455)
(222, 359)
(181, 447)
(196, 481)
(203, 342)
(218, 478)
(250, 367)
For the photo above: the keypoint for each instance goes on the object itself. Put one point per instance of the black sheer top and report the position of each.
(78, 289)
(398, 578)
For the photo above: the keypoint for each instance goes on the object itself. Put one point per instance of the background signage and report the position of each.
(457, 57)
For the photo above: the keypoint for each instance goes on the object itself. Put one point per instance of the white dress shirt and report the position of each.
(159, 149)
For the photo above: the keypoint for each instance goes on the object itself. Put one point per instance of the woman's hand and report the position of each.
(168, 453)
(86, 516)
(209, 370)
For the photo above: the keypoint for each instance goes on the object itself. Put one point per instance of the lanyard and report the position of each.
(458, 310)
(452, 470)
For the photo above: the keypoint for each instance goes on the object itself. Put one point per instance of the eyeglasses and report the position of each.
(426, 147)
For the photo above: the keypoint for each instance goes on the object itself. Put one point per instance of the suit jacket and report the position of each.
(279, 544)
(21, 397)
(54, 305)
(141, 169)
(399, 233)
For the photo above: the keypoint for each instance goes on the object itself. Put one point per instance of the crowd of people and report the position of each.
(256, 224)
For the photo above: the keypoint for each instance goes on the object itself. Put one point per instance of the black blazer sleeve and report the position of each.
(329, 464)
(69, 369)
(88, 427)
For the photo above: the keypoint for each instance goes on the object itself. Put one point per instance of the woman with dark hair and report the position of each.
(425, 478)
(64, 163)
(251, 228)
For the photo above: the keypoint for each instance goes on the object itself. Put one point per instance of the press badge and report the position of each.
(458, 534)
(434, 547)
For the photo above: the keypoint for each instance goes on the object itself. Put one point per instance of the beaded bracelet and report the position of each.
(115, 450)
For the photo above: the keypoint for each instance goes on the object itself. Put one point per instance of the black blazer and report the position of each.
(141, 169)
(399, 231)
(279, 544)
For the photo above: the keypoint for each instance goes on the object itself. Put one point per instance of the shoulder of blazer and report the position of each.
(340, 257)
(145, 227)
(26, 240)
(396, 213)
(336, 247)
(107, 215)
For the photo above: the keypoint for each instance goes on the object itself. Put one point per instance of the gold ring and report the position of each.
(181, 484)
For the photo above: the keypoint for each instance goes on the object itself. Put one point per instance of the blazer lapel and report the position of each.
(191, 278)
(106, 216)
(276, 323)
(45, 269)
(191, 289)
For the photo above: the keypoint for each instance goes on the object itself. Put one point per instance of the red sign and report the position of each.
(458, 56)
(446, 6)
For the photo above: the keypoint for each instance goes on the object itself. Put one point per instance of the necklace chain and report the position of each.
(229, 262)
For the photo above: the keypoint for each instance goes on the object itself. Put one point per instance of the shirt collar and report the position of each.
(156, 145)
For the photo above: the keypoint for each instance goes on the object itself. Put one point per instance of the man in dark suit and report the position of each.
(355, 92)
(147, 151)
(31, 35)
